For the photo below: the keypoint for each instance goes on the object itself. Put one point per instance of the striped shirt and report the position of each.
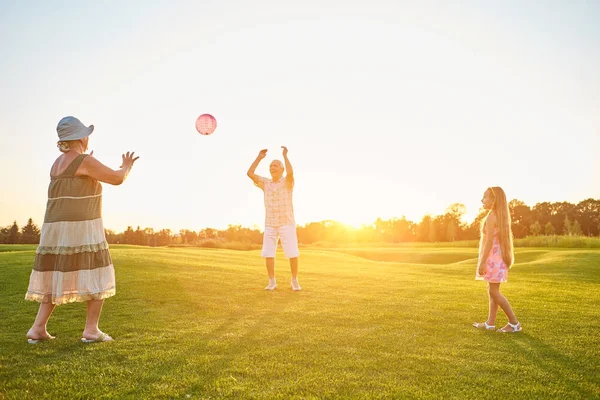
(279, 210)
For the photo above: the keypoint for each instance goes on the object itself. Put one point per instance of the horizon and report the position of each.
(348, 226)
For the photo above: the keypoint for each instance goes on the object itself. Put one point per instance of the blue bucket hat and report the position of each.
(70, 128)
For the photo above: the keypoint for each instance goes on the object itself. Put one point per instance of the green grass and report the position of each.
(196, 323)
(559, 241)
(15, 247)
(554, 241)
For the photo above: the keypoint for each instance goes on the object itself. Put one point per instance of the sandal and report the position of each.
(102, 338)
(36, 341)
(515, 328)
(484, 325)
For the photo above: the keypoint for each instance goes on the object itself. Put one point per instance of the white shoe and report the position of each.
(514, 328)
(271, 286)
(295, 284)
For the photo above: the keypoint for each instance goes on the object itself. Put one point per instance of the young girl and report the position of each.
(496, 257)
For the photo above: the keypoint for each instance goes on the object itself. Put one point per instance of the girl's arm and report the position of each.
(488, 242)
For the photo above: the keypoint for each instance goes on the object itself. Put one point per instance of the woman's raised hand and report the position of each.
(128, 160)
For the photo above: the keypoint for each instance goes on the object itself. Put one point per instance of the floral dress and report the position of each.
(496, 270)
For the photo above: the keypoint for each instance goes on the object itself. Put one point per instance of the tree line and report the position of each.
(558, 218)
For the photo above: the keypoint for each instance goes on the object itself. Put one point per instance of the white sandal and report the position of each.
(515, 328)
(485, 325)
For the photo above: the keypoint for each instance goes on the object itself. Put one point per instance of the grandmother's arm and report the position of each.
(96, 170)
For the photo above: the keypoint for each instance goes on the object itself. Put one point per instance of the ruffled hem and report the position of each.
(69, 298)
(67, 251)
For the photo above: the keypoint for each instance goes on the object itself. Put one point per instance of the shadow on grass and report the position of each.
(576, 374)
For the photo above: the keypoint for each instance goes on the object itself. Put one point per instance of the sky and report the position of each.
(388, 108)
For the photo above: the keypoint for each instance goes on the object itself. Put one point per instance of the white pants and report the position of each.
(289, 241)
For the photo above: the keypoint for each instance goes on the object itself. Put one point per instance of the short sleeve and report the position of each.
(262, 181)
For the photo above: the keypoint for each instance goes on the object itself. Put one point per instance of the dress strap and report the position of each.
(72, 168)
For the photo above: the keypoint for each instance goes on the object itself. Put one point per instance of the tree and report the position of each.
(454, 224)
(129, 236)
(311, 233)
(542, 212)
(139, 237)
(433, 236)
(521, 218)
(535, 228)
(547, 218)
(30, 233)
(567, 227)
(473, 230)
(452, 230)
(402, 230)
(183, 236)
(382, 228)
(4, 234)
(163, 237)
(576, 229)
(150, 237)
(457, 210)
(13, 234)
(423, 229)
(191, 237)
(589, 216)
(566, 210)
(112, 237)
(208, 233)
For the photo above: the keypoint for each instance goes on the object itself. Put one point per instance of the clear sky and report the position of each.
(388, 108)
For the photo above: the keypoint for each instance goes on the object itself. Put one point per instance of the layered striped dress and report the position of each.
(72, 262)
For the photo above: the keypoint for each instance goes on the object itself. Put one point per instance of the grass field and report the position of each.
(369, 323)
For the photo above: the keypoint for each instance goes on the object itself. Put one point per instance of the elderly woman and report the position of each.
(72, 262)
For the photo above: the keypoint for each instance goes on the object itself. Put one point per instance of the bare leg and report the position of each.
(94, 308)
(294, 267)
(38, 330)
(271, 267)
(493, 311)
(502, 302)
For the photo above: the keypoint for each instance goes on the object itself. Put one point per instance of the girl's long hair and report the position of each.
(500, 208)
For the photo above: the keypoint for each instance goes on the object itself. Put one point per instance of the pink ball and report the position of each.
(206, 124)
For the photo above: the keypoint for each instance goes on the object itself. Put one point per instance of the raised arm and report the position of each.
(251, 171)
(288, 166)
(100, 172)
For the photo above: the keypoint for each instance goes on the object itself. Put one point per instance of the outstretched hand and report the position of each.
(128, 160)
(285, 151)
(262, 154)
